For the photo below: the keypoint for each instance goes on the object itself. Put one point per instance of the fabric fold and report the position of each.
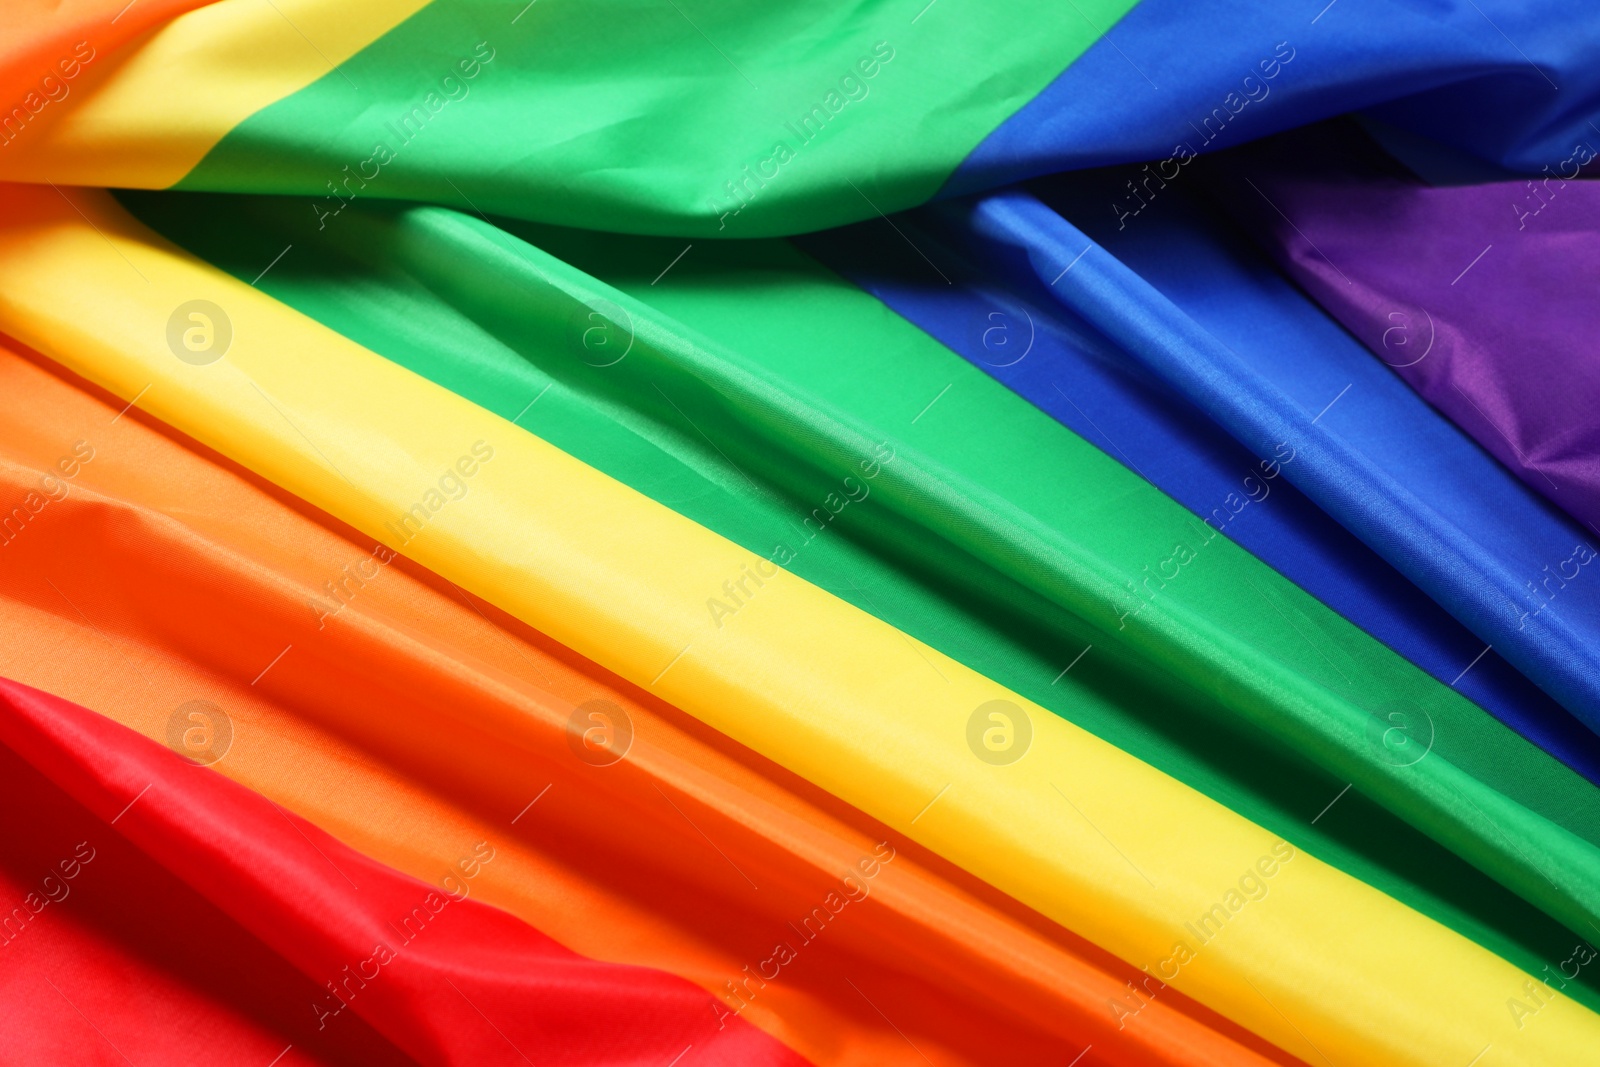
(959, 546)
(147, 114)
(109, 955)
(1507, 82)
(1140, 319)
(45, 45)
(1470, 544)
(726, 121)
(830, 692)
(441, 977)
(1000, 315)
(743, 122)
(1479, 296)
(413, 721)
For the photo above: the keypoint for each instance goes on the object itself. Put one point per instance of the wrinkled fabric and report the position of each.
(503, 473)
(1403, 482)
(412, 721)
(576, 570)
(1480, 296)
(1001, 316)
(738, 121)
(46, 46)
(286, 939)
(736, 436)
(722, 120)
(1509, 82)
(861, 710)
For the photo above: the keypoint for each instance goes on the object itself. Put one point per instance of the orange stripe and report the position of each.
(410, 725)
(145, 117)
(46, 45)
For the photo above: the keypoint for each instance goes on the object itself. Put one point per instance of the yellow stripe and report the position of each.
(145, 115)
(1320, 963)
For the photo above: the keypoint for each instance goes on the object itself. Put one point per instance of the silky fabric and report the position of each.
(145, 113)
(621, 385)
(443, 978)
(830, 692)
(45, 46)
(1505, 80)
(726, 120)
(732, 129)
(413, 721)
(1002, 317)
(109, 954)
(1479, 296)
(1402, 481)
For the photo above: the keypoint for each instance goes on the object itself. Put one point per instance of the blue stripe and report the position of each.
(1217, 360)
(1480, 75)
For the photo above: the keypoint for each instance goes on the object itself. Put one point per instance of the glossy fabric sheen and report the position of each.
(440, 977)
(1364, 488)
(114, 955)
(44, 45)
(413, 721)
(1000, 315)
(718, 119)
(1480, 296)
(726, 120)
(1507, 80)
(144, 114)
(833, 693)
(745, 447)
(1415, 489)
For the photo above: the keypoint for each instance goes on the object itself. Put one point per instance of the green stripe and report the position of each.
(992, 536)
(661, 116)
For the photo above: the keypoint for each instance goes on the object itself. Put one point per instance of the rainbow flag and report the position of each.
(674, 532)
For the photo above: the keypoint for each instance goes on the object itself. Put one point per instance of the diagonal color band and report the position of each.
(145, 116)
(1076, 828)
